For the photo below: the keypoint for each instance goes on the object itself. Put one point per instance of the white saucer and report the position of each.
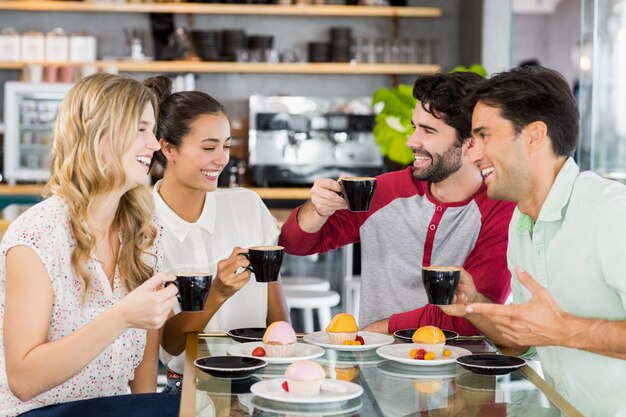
(301, 351)
(332, 391)
(312, 410)
(372, 341)
(400, 353)
(398, 370)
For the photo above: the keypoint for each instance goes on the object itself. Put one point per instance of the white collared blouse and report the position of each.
(230, 217)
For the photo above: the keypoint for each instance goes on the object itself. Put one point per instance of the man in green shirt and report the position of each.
(567, 241)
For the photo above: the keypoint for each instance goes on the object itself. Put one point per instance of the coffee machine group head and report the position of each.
(293, 140)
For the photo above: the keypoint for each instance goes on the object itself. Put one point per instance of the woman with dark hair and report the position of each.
(204, 224)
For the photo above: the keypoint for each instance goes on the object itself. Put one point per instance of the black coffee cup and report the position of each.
(440, 283)
(358, 192)
(193, 289)
(265, 262)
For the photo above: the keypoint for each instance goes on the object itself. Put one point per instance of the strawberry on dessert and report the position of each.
(258, 351)
(304, 379)
(342, 328)
(279, 339)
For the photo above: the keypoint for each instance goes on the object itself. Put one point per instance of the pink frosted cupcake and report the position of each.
(279, 340)
(304, 379)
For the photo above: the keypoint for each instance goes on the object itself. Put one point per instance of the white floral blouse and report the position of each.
(45, 229)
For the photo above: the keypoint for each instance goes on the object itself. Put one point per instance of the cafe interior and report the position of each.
(300, 80)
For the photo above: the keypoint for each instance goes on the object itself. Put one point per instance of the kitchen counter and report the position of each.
(265, 193)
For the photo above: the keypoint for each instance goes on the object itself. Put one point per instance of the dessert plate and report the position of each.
(336, 357)
(372, 341)
(399, 370)
(332, 391)
(229, 366)
(491, 364)
(400, 353)
(406, 335)
(248, 334)
(301, 351)
(312, 410)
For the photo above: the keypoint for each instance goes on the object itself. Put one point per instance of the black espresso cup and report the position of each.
(265, 262)
(440, 283)
(193, 289)
(358, 192)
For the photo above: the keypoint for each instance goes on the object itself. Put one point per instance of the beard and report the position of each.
(442, 165)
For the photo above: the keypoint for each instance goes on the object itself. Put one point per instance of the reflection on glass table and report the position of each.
(389, 388)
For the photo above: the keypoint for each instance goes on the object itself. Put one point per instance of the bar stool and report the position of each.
(305, 283)
(351, 284)
(320, 301)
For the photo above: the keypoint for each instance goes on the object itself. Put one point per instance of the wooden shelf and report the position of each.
(231, 9)
(244, 67)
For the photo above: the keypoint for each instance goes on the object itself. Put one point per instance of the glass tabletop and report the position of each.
(389, 388)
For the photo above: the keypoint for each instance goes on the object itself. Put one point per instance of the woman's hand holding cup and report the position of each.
(148, 305)
(231, 274)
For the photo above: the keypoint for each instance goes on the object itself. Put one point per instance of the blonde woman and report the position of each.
(81, 300)
(206, 227)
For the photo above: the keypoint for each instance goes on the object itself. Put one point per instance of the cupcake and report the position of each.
(342, 328)
(431, 339)
(304, 379)
(279, 339)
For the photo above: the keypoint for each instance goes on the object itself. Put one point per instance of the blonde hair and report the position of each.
(102, 111)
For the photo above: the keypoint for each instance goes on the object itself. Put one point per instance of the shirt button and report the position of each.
(439, 208)
(432, 227)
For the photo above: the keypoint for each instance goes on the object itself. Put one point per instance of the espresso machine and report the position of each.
(293, 140)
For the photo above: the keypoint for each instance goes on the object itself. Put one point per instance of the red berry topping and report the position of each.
(285, 386)
(360, 340)
(258, 351)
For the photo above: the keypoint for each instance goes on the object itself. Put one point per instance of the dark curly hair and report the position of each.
(178, 111)
(530, 94)
(441, 95)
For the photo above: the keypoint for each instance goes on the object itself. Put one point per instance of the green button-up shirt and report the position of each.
(577, 250)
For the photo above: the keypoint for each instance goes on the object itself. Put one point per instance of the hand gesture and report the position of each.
(539, 322)
(465, 294)
(148, 305)
(324, 197)
(228, 280)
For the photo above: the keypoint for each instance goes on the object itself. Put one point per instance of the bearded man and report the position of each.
(435, 212)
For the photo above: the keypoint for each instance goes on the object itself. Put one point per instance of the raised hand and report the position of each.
(229, 280)
(324, 197)
(148, 305)
(538, 322)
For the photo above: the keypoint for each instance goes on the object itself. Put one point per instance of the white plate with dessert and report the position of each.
(299, 352)
(402, 353)
(371, 341)
(312, 410)
(331, 391)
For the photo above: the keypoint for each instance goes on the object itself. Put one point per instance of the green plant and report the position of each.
(392, 126)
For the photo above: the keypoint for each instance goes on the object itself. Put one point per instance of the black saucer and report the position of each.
(406, 335)
(229, 366)
(237, 386)
(490, 364)
(249, 334)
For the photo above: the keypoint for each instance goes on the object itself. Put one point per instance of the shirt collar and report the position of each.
(554, 207)
(180, 227)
